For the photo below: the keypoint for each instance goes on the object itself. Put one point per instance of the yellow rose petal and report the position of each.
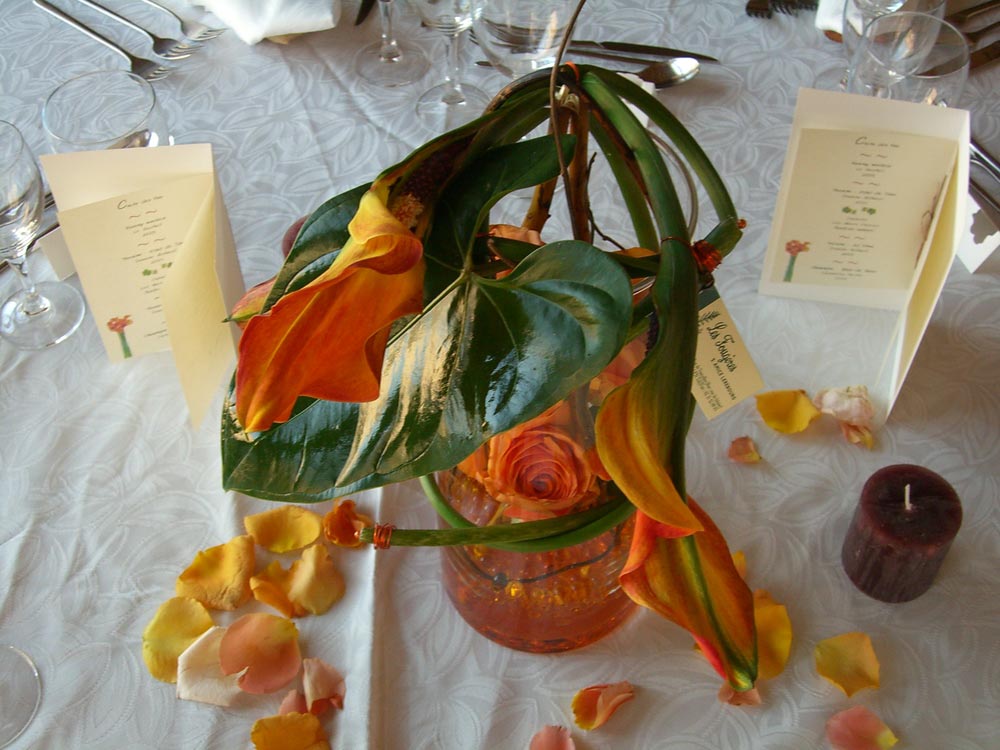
(285, 528)
(176, 625)
(315, 584)
(292, 731)
(787, 411)
(774, 635)
(271, 585)
(219, 577)
(594, 705)
(848, 661)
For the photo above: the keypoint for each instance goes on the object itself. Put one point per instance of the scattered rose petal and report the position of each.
(285, 528)
(293, 703)
(848, 661)
(786, 411)
(749, 697)
(552, 738)
(743, 451)
(176, 625)
(852, 408)
(219, 577)
(292, 731)
(858, 728)
(324, 686)
(199, 674)
(267, 647)
(311, 585)
(594, 705)
(774, 635)
(342, 524)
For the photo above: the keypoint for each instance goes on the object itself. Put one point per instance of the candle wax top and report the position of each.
(934, 513)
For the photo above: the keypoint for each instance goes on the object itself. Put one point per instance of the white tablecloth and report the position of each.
(107, 492)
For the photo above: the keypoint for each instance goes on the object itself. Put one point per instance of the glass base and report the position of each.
(20, 693)
(411, 65)
(60, 318)
(435, 111)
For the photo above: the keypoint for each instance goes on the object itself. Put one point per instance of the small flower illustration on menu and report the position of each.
(793, 248)
(117, 325)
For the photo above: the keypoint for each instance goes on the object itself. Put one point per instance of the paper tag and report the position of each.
(724, 372)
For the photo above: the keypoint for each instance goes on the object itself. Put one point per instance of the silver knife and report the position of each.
(640, 49)
(987, 54)
(966, 14)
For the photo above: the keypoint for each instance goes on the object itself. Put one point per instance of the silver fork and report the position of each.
(194, 31)
(148, 69)
(168, 49)
(759, 8)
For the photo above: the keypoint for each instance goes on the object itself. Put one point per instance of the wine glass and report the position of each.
(915, 57)
(103, 109)
(453, 102)
(521, 36)
(21, 695)
(43, 314)
(390, 62)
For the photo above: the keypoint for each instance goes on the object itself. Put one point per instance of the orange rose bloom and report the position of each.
(540, 469)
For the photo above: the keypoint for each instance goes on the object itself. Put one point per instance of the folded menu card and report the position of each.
(870, 212)
(150, 239)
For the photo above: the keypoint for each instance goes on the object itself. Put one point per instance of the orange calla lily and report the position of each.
(327, 339)
(709, 600)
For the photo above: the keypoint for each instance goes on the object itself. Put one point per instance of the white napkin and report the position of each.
(253, 20)
(830, 15)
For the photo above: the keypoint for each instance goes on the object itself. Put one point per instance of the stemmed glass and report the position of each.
(913, 57)
(453, 102)
(521, 36)
(42, 314)
(20, 695)
(390, 62)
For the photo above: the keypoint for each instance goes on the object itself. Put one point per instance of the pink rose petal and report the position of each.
(858, 728)
(267, 647)
(743, 451)
(552, 738)
(323, 685)
(293, 703)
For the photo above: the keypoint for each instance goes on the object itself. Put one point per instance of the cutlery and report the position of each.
(975, 36)
(984, 159)
(987, 54)
(759, 8)
(148, 69)
(191, 31)
(639, 49)
(966, 14)
(983, 198)
(168, 49)
(661, 73)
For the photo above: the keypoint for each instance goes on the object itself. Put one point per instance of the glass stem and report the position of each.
(389, 51)
(32, 303)
(452, 87)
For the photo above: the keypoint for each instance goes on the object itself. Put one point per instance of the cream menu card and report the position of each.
(149, 236)
(870, 212)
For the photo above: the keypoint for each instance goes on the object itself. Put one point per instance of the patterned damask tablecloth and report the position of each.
(107, 492)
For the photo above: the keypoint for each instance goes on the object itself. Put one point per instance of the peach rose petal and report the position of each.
(293, 703)
(858, 728)
(294, 731)
(176, 625)
(342, 524)
(852, 408)
(749, 697)
(786, 411)
(774, 635)
(324, 686)
(199, 675)
(848, 661)
(552, 738)
(219, 577)
(285, 528)
(594, 705)
(743, 451)
(267, 647)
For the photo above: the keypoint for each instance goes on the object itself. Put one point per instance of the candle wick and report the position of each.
(906, 499)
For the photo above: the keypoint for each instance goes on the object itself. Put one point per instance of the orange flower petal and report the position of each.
(267, 647)
(786, 411)
(219, 577)
(285, 528)
(342, 524)
(749, 697)
(743, 451)
(594, 705)
(271, 586)
(552, 738)
(176, 625)
(311, 585)
(199, 675)
(292, 731)
(858, 728)
(712, 602)
(848, 661)
(251, 303)
(740, 563)
(324, 686)
(327, 340)
(774, 635)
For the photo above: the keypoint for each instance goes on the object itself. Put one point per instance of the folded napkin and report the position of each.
(253, 20)
(830, 15)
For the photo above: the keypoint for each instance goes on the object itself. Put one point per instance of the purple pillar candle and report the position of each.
(901, 531)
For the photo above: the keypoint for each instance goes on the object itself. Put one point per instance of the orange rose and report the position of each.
(540, 469)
